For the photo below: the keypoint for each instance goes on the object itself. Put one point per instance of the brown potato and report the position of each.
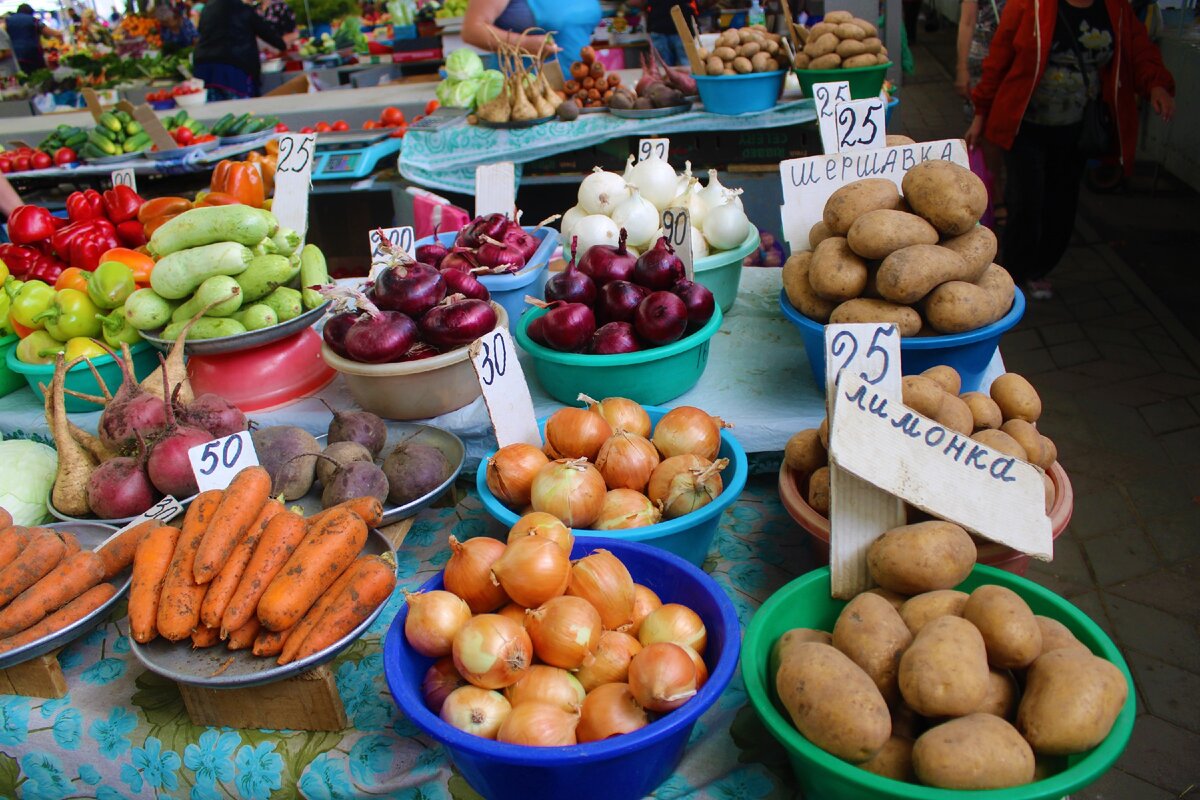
(725, 53)
(921, 557)
(977, 247)
(869, 309)
(955, 415)
(789, 641)
(1056, 636)
(848, 48)
(895, 598)
(873, 45)
(1033, 442)
(960, 306)
(922, 394)
(823, 432)
(918, 611)
(951, 197)
(910, 273)
(945, 376)
(853, 200)
(1071, 701)
(870, 631)
(1010, 633)
(804, 452)
(818, 233)
(882, 57)
(798, 287)
(848, 30)
(1051, 492)
(944, 672)
(879, 233)
(1001, 442)
(801, 61)
(836, 273)
(750, 50)
(713, 65)
(863, 60)
(821, 46)
(838, 17)
(1016, 397)
(978, 751)
(742, 65)
(827, 61)
(984, 410)
(867, 26)
(906, 722)
(893, 761)
(818, 491)
(820, 29)
(1002, 695)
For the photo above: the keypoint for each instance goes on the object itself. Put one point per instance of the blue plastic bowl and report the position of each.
(627, 767)
(893, 103)
(688, 537)
(510, 290)
(740, 94)
(969, 353)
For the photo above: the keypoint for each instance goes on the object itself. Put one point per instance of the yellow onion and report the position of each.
(440, 680)
(621, 414)
(565, 630)
(510, 472)
(514, 612)
(532, 570)
(539, 725)
(477, 711)
(626, 460)
(492, 651)
(644, 601)
(610, 710)
(602, 580)
(701, 667)
(674, 623)
(610, 662)
(570, 489)
(434, 618)
(626, 508)
(539, 523)
(543, 684)
(575, 433)
(687, 429)
(683, 484)
(662, 677)
(469, 573)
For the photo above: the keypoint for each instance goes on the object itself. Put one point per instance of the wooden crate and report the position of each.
(38, 677)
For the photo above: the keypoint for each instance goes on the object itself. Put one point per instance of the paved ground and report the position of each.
(1119, 377)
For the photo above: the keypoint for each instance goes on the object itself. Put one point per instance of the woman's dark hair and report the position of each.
(24, 8)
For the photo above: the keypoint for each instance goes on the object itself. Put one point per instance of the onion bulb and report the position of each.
(492, 651)
(604, 582)
(626, 460)
(539, 523)
(514, 612)
(639, 217)
(662, 677)
(610, 662)
(434, 619)
(510, 472)
(701, 667)
(477, 711)
(620, 413)
(564, 630)
(567, 223)
(655, 179)
(592, 230)
(533, 570)
(539, 725)
(624, 509)
(684, 484)
(469, 573)
(688, 430)
(551, 685)
(714, 194)
(726, 226)
(570, 489)
(440, 680)
(688, 197)
(610, 710)
(600, 192)
(629, 163)
(684, 179)
(674, 623)
(644, 601)
(576, 433)
(699, 244)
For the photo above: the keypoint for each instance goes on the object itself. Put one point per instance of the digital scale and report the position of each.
(352, 154)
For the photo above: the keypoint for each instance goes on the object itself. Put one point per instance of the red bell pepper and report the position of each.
(85, 205)
(121, 203)
(27, 263)
(82, 243)
(29, 224)
(131, 233)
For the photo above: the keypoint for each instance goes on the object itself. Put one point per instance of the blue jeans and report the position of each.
(671, 48)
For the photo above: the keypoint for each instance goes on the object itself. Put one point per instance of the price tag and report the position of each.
(826, 96)
(402, 238)
(653, 148)
(495, 189)
(215, 463)
(293, 180)
(677, 228)
(860, 124)
(505, 392)
(163, 511)
(124, 177)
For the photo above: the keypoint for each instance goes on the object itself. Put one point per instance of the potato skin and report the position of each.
(818, 233)
(853, 200)
(804, 452)
(922, 394)
(869, 309)
(960, 306)
(821, 46)
(919, 610)
(955, 415)
(799, 289)
(1001, 442)
(1071, 701)
(1038, 448)
(833, 703)
(945, 376)
(944, 672)
(951, 197)
(1010, 633)
(818, 491)
(984, 411)
(1056, 636)
(790, 640)
(892, 139)
(863, 60)
(869, 630)
(908, 274)
(848, 48)
(893, 761)
(894, 598)
(978, 751)
(879, 233)
(921, 557)
(977, 247)
(1016, 397)
(835, 272)
(1002, 695)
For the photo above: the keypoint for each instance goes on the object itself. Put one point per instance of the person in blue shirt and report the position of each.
(26, 31)
(569, 22)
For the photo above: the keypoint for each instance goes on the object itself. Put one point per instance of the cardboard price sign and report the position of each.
(495, 189)
(826, 96)
(216, 463)
(653, 148)
(401, 238)
(505, 392)
(293, 180)
(677, 228)
(163, 511)
(124, 176)
(860, 125)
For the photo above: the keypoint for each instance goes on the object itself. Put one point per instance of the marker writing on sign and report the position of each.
(846, 343)
(653, 148)
(401, 239)
(860, 124)
(844, 167)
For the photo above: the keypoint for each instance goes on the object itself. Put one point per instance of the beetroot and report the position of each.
(132, 410)
(362, 427)
(213, 413)
(169, 468)
(120, 487)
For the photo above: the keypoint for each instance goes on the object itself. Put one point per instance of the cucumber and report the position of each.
(123, 116)
(285, 302)
(313, 272)
(222, 124)
(220, 288)
(75, 140)
(239, 124)
(106, 146)
(178, 274)
(209, 225)
(206, 328)
(263, 275)
(139, 142)
(146, 310)
(110, 120)
(133, 128)
(257, 316)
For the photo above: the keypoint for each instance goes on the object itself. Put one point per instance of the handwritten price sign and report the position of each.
(653, 148)
(505, 392)
(861, 124)
(124, 177)
(677, 228)
(293, 180)
(215, 463)
(826, 97)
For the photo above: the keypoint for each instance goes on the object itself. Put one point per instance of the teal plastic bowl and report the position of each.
(865, 82)
(649, 377)
(10, 381)
(80, 378)
(805, 603)
(722, 272)
(740, 94)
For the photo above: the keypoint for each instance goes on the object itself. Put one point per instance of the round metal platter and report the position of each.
(594, 110)
(650, 113)
(244, 341)
(185, 502)
(525, 123)
(182, 152)
(243, 138)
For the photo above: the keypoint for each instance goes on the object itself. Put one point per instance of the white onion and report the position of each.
(568, 222)
(714, 194)
(685, 178)
(699, 244)
(591, 230)
(629, 162)
(689, 198)
(600, 192)
(656, 181)
(638, 217)
(726, 226)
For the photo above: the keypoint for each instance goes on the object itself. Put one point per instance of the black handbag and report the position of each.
(1096, 128)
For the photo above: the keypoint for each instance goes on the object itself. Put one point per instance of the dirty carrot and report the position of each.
(243, 500)
(222, 587)
(118, 553)
(270, 643)
(205, 636)
(41, 555)
(309, 621)
(244, 636)
(372, 585)
(72, 543)
(72, 612)
(281, 538)
(72, 577)
(150, 564)
(12, 541)
(6, 519)
(368, 508)
(179, 605)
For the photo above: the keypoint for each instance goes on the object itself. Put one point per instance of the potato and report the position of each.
(827, 61)
(788, 642)
(867, 26)
(984, 410)
(863, 60)
(959, 306)
(882, 58)
(1010, 633)
(944, 672)
(1051, 492)
(1033, 442)
(906, 722)
(818, 491)
(873, 45)
(838, 17)
(823, 432)
(848, 30)
(1056, 636)
(713, 65)
(879, 233)
(747, 35)
(818, 233)
(1016, 397)
(1051, 448)
(729, 38)
(921, 557)
(1002, 694)
(918, 611)
(911, 272)
(848, 48)
(725, 53)
(893, 761)
(836, 273)
(870, 631)
(742, 65)
(761, 62)
(1071, 701)
(799, 289)
(894, 598)
(867, 309)
(951, 197)
(804, 452)
(922, 394)
(801, 61)
(822, 45)
(750, 49)
(820, 29)
(1001, 442)
(977, 247)
(833, 703)
(955, 415)
(978, 751)
(946, 377)
(896, 140)
(853, 200)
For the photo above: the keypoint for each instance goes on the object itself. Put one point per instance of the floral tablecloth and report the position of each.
(122, 732)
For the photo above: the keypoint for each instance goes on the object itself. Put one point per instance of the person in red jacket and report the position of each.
(1045, 57)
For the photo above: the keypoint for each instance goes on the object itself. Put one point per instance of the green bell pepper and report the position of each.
(33, 298)
(71, 314)
(117, 329)
(110, 284)
(39, 347)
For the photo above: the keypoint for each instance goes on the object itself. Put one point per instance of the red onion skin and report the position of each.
(459, 258)
(613, 338)
(493, 255)
(458, 323)
(617, 301)
(380, 339)
(410, 288)
(526, 243)
(569, 327)
(660, 319)
(472, 234)
(432, 254)
(537, 330)
(571, 286)
(698, 300)
(604, 263)
(334, 332)
(466, 284)
(658, 268)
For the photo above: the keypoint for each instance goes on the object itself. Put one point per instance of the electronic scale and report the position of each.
(352, 154)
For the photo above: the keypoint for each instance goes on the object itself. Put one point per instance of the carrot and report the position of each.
(69, 539)
(150, 564)
(326, 552)
(222, 587)
(205, 636)
(281, 538)
(309, 621)
(179, 605)
(118, 553)
(6, 519)
(73, 576)
(41, 555)
(372, 586)
(270, 643)
(368, 508)
(72, 612)
(243, 500)
(244, 636)
(12, 541)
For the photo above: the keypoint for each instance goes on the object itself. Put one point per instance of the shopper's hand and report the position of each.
(962, 84)
(532, 43)
(973, 132)
(1162, 103)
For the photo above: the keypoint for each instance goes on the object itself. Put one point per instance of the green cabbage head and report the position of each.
(27, 472)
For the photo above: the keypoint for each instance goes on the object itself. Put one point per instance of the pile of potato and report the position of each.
(1003, 420)
(921, 261)
(922, 683)
(840, 41)
(739, 51)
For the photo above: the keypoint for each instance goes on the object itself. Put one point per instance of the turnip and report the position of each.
(289, 455)
(168, 466)
(338, 455)
(120, 486)
(414, 470)
(357, 426)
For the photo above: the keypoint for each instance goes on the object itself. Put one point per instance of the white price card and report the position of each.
(163, 511)
(401, 238)
(216, 463)
(826, 96)
(293, 180)
(495, 189)
(861, 124)
(653, 148)
(505, 392)
(677, 228)
(124, 177)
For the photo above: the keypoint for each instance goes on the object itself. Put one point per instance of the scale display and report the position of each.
(352, 162)
(342, 162)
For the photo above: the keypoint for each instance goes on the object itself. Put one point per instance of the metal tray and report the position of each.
(179, 662)
(528, 123)
(595, 110)
(119, 158)
(89, 534)
(244, 341)
(181, 152)
(650, 113)
(185, 502)
(243, 138)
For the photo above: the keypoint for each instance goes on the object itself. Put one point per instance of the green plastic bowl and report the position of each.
(864, 81)
(80, 378)
(10, 381)
(722, 272)
(805, 602)
(650, 377)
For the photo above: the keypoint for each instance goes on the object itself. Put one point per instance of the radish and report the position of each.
(169, 467)
(120, 487)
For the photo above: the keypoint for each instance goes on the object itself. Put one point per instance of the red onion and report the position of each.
(571, 285)
(658, 268)
(618, 300)
(378, 337)
(615, 337)
(459, 258)
(472, 234)
(457, 321)
(466, 284)
(698, 300)
(537, 330)
(525, 242)
(432, 253)
(568, 326)
(410, 288)
(604, 263)
(661, 318)
(499, 256)
(335, 329)
(419, 352)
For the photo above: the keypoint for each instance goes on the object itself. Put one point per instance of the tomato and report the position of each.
(370, 125)
(392, 116)
(208, 137)
(42, 160)
(399, 131)
(6, 165)
(341, 125)
(22, 163)
(324, 127)
(308, 129)
(65, 155)
(184, 136)
(281, 128)
(431, 106)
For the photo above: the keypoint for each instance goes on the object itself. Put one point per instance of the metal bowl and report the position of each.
(525, 123)
(65, 518)
(119, 158)
(244, 341)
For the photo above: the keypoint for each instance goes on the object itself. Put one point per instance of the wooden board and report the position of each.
(38, 677)
(307, 702)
